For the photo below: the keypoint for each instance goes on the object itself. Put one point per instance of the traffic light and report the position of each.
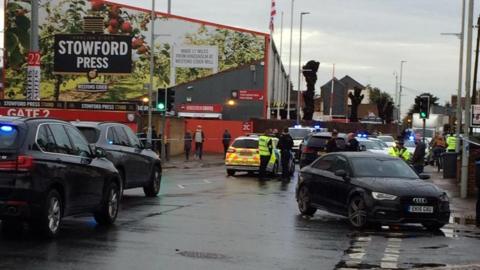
(161, 100)
(424, 107)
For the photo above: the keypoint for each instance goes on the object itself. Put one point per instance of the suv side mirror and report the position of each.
(97, 151)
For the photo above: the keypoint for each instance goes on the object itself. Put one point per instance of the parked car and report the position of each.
(372, 145)
(371, 188)
(389, 140)
(138, 166)
(315, 146)
(299, 133)
(243, 156)
(49, 171)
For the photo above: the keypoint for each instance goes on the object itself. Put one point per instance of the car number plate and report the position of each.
(420, 209)
(245, 153)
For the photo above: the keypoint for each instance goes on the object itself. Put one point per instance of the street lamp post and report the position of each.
(400, 92)
(289, 85)
(152, 63)
(300, 66)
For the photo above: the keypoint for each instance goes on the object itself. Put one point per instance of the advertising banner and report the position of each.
(195, 57)
(256, 95)
(83, 53)
(214, 108)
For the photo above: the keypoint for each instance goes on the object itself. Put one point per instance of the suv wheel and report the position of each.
(153, 187)
(51, 215)
(304, 201)
(107, 214)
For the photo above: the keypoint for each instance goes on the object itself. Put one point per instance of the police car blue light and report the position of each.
(7, 129)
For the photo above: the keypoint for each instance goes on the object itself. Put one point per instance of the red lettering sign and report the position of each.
(70, 115)
(250, 94)
(209, 108)
(34, 59)
(247, 126)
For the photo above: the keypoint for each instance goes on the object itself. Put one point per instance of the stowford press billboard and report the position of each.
(82, 53)
(236, 47)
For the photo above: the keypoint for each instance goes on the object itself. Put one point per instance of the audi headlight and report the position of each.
(383, 196)
(444, 197)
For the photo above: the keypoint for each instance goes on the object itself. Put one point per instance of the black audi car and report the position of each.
(49, 171)
(138, 166)
(371, 188)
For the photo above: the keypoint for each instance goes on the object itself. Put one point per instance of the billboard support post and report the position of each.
(33, 89)
(150, 88)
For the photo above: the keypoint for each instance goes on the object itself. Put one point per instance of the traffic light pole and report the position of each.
(424, 124)
(163, 145)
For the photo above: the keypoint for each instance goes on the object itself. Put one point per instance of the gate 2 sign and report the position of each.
(81, 53)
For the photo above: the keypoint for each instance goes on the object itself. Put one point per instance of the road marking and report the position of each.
(357, 251)
(181, 186)
(206, 181)
(391, 254)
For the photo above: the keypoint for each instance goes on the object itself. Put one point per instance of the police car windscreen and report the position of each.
(317, 142)
(246, 143)
(90, 133)
(299, 133)
(8, 136)
(428, 132)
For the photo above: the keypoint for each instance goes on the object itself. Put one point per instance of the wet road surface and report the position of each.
(205, 220)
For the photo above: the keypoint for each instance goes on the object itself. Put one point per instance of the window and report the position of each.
(382, 168)
(122, 138)
(134, 141)
(245, 143)
(63, 145)
(340, 164)
(45, 139)
(324, 163)
(111, 136)
(90, 133)
(80, 145)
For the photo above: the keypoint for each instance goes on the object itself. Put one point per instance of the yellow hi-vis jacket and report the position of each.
(451, 142)
(401, 153)
(265, 145)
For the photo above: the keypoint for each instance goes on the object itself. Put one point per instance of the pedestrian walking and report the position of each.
(199, 138)
(332, 143)
(187, 144)
(227, 137)
(265, 149)
(154, 141)
(418, 158)
(285, 144)
(352, 144)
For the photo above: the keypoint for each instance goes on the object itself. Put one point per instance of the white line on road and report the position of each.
(391, 254)
(181, 186)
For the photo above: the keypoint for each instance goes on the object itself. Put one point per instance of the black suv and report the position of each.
(48, 171)
(315, 145)
(137, 165)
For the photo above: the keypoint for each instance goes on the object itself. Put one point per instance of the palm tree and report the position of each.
(356, 99)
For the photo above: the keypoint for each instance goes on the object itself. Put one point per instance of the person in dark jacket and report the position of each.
(332, 143)
(285, 144)
(187, 140)
(352, 144)
(226, 141)
(418, 158)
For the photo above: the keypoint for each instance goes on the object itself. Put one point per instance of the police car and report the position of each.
(243, 156)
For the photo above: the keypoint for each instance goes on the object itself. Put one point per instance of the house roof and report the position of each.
(350, 82)
(328, 84)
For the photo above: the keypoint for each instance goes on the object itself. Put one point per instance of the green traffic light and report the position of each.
(161, 106)
(423, 114)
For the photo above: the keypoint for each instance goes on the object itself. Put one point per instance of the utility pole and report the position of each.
(152, 63)
(468, 79)
(169, 9)
(289, 86)
(460, 77)
(475, 67)
(33, 69)
(331, 92)
(400, 93)
(280, 97)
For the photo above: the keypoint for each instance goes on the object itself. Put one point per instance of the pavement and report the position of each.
(179, 162)
(463, 210)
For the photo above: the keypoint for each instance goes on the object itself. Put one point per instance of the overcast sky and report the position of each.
(366, 39)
